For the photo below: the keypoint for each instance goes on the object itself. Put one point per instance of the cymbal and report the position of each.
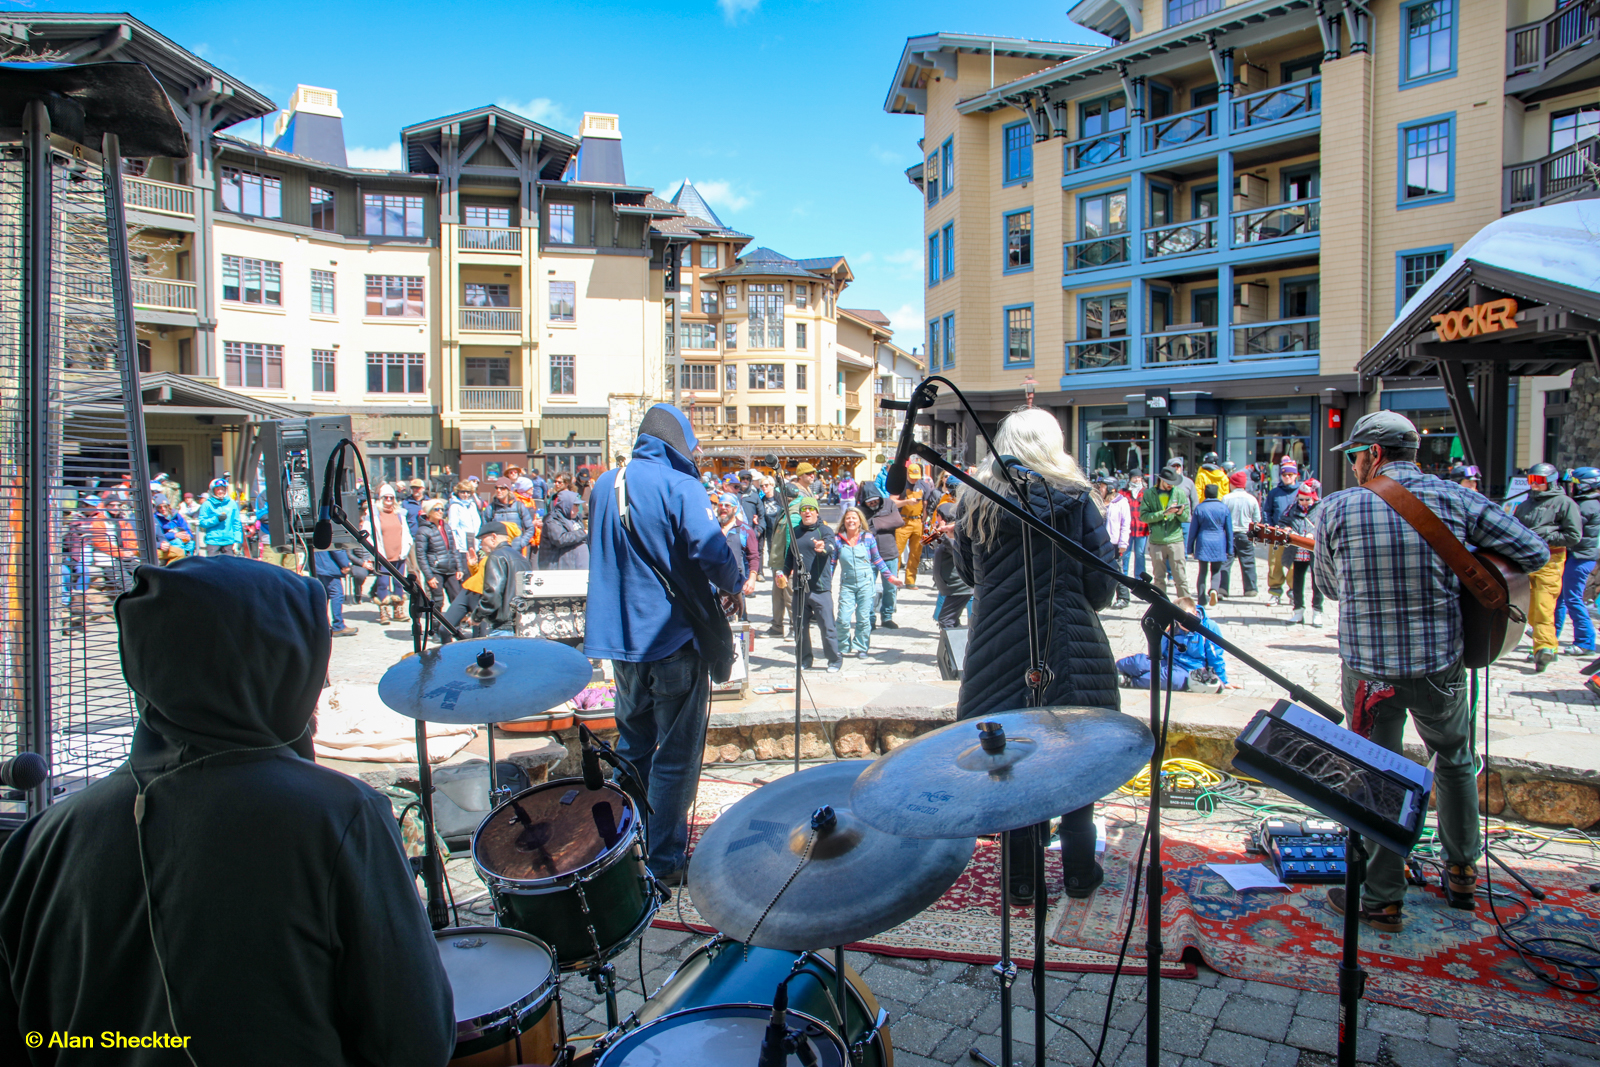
(857, 882)
(1046, 761)
(486, 680)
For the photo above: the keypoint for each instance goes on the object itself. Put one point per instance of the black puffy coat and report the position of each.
(502, 584)
(1085, 674)
(1588, 546)
(436, 556)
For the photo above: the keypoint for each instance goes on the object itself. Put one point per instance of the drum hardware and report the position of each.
(507, 996)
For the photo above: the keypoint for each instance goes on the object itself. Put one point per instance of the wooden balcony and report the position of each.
(160, 198)
(160, 294)
(1538, 53)
(1568, 174)
(776, 431)
(491, 398)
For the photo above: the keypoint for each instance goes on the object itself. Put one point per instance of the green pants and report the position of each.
(1440, 707)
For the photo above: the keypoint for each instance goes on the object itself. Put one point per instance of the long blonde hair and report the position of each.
(1033, 437)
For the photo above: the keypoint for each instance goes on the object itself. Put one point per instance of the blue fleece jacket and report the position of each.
(629, 616)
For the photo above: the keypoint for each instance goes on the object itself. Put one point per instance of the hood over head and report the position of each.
(252, 662)
(666, 435)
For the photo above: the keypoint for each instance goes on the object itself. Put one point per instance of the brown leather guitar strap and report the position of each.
(1485, 586)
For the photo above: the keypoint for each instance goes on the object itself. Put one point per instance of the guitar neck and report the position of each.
(1278, 535)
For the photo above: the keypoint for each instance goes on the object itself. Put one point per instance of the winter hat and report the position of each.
(1239, 479)
(1308, 490)
(1288, 466)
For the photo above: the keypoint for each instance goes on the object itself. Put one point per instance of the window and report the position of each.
(563, 376)
(730, 414)
(322, 217)
(933, 260)
(395, 372)
(699, 335)
(393, 215)
(801, 413)
(1298, 298)
(563, 301)
(1204, 95)
(1019, 336)
(949, 342)
(764, 324)
(253, 366)
(322, 302)
(947, 165)
(1019, 240)
(144, 348)
(702, 418)
(486, 371)
(730, 380)
(949, 249)
(766, 415)
(708, 257)
(799, 375)
(701, 377)
(496, 217)
(935, 344)
(730, 335)
(930, 178)
(391, 296)
(766, 376)
(1185, 10)
(252, 281)
(1430, 36)
(486, 295)
(684, 256)
(800, 337)
(323, 379)
(185, 355)
(708, 301)
(1102, 215)
(686, 298)
(1413, 269)
(252, 194)
(1104, 316)
(1103, 115)
(1569, 127)
(730, 294)
(1426, 154)
(802, 293)
(563, 223)
(1018, 141)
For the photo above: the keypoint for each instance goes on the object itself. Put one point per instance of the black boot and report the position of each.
(1081, 873)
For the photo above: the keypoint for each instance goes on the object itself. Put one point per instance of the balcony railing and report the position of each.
(1555, 177)
(1096, 252)
(491, 398)
(1097, 151)
(1182, 239)
(491, 320)
(164, 295)
(1289, 101)
(855, 398)
(775, 431)
(1534, 46)
(1175, 131)
(163, 198)
(1274, 340)
(1110, 354)
(1194, 346)
(489, 239)
(1296, 218)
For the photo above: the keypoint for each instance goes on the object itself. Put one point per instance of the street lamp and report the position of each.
(1028, 387)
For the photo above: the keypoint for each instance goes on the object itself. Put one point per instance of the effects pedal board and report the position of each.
(1309, 851)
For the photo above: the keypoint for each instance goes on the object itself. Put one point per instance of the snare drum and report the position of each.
(566, 864)
(717, 983)
(723, 1035)
(508, 1005)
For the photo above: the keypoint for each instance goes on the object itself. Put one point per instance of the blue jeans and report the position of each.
(884, 600)
(335, 587)
(1570, 602)
(661, 725)
(387, 586)
(1133, 559)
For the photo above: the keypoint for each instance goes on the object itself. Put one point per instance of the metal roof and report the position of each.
(688, 198)
(250, 148)
(936, 51)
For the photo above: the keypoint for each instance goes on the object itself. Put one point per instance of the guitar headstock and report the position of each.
(1268, 535)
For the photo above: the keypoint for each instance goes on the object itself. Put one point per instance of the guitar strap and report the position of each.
(1485, 586)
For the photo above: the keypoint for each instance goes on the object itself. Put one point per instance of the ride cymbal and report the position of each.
(486, 680)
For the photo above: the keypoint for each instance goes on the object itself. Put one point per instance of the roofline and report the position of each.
(1182, 35)
(978, 44)
(250, 148)
(430, 125)
(868, 323)
(600, 187)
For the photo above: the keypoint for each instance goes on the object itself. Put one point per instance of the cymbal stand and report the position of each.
(603, 976)
(797, 599)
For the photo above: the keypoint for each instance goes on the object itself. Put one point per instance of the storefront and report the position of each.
(571, 438)
(1147, 432)
(397, 447)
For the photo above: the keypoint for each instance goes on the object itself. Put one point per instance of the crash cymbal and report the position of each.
(486, 680)
(857, 882)
(1003, 772)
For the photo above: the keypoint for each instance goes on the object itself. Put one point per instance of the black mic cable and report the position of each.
(322, 534)
(773, 1052)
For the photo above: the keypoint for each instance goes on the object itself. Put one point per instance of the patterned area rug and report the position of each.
(1444, 962)
(963, 925)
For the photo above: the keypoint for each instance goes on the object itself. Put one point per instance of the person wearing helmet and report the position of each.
(1464, 475)
(1584, 484)
(1554, 518)
(1211, 473)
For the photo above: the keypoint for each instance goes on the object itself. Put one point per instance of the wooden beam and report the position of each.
(428, 148)
(1480, 353)
(1458, 390)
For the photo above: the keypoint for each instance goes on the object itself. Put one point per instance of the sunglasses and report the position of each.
(1354, 452)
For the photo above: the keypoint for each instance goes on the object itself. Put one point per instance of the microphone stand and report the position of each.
(797, 597)
(1160, 614)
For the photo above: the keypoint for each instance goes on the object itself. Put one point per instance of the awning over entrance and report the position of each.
(1519, 299)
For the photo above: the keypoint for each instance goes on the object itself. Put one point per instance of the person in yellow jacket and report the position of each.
(1211, 473)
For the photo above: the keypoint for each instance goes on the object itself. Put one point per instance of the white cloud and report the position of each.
(722, 194)
(732, 9)
(376, 158)
(542, 110)
(906, 321)
(905, 255)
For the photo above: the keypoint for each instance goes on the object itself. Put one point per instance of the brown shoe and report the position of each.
(1460, 885)
(383, 614)
(1385, 918)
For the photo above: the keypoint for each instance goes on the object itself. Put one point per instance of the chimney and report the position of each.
(313, 126)
(599, 158)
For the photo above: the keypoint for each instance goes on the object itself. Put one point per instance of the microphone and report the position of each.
(25, 770)
(1016, 464)
(773, 1053)
(895, 480)
(593, 778)
(322, 534)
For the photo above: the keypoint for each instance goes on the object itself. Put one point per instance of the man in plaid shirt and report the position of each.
(1400, 629)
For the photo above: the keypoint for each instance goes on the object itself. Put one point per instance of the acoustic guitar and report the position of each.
(1487, 633)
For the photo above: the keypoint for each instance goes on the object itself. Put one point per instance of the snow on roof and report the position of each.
(1559, 243)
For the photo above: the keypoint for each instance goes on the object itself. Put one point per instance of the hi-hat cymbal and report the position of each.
(487, 680)
(1004, 772)
(857, 881)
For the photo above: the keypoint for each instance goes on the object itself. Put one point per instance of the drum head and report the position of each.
(493, 972)
(551, 830)
(722, 1035)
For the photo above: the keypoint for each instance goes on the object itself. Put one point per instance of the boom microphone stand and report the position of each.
(797, 596)
(1160, 614)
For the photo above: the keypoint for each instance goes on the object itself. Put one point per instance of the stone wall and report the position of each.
(1580, 436)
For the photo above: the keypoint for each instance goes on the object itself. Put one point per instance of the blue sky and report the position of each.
(773, 108)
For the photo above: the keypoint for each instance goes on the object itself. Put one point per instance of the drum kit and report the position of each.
(818, 859)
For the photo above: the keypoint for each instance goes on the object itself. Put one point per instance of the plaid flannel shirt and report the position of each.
(1399, 614)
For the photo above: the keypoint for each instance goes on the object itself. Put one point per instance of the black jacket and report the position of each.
(501, 586)
(564, 545)
(1085, 675)
(1588, 547)
(286, 914)
(436, 556)
(1552, 516)
(876, 507)
(819, 565)
(516, 512)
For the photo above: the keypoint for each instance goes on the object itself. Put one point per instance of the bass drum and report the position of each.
(719, 974)
(723, 1035)
(508, 1005)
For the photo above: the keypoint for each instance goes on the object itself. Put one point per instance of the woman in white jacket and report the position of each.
(463, 519)
(1119, 524)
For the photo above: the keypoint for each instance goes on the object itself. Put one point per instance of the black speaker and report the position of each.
(952, 652)
(294, 456)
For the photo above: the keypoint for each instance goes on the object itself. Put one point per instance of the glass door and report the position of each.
(1189, 439)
